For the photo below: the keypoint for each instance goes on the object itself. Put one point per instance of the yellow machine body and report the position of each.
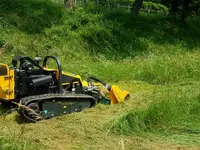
(7, 86)
(6, 83)
(65, 74)
(41, 92)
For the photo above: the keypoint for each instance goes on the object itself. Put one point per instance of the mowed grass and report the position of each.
(104, 126)
(152, 56)
(173, 113)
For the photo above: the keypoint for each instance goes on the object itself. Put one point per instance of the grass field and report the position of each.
(152, 56)
(170, 122)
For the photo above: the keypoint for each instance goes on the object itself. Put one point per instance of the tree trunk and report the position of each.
(136, 7)
(68, 4)
(174, 6)
(185, 11)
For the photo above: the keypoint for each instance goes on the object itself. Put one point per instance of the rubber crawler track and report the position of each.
(24, 102)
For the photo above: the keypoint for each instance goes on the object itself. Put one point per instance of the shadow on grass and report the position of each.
(31, 16)
(8, 108)
(21, 120)
(5, 108)
(163, 29)
(126, 36)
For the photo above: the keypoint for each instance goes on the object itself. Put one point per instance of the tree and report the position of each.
(68, 4)
(136, 6)
(185, 11)
(174, 6)
(184, 8)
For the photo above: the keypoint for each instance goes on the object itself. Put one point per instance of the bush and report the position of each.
(31, 16)
(148, 6)
(154, 7)
(2, 42)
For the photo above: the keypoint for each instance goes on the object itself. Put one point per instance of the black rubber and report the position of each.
(32, 107)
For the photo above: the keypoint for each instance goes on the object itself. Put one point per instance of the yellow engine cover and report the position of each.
(6, 83)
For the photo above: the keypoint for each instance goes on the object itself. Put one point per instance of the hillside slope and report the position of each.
(99, 128)
(152, 56)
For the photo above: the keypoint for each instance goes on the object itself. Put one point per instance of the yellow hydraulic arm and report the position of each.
(113, 93)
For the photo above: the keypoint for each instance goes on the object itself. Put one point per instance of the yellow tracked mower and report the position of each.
(40, 92)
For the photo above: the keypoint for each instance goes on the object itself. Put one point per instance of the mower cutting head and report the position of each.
(116, 95)
(112, 94)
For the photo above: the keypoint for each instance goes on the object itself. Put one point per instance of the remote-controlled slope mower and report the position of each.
(41, 92)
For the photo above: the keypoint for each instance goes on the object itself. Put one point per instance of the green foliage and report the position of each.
(122, 2)
(154, 1)
(2, 42)
(148, 6)
(156, 7)
(32, 16)
(6, 144)
(113, 46)
(155, 45)
(195, 7)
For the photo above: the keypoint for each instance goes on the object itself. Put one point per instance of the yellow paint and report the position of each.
(84, 83)
(50, 69)
(116, 95)
(65, 74)
(6, 83)
(72, 75)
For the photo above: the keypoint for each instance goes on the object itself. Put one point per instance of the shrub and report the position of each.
(2, 42)
(154, 7)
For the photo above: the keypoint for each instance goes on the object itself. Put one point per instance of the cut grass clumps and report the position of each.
(173, 114)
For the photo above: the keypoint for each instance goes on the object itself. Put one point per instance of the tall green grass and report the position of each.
(7, 144)
(10, 139)
(113, 46)
(174, 111)
(153, 48)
